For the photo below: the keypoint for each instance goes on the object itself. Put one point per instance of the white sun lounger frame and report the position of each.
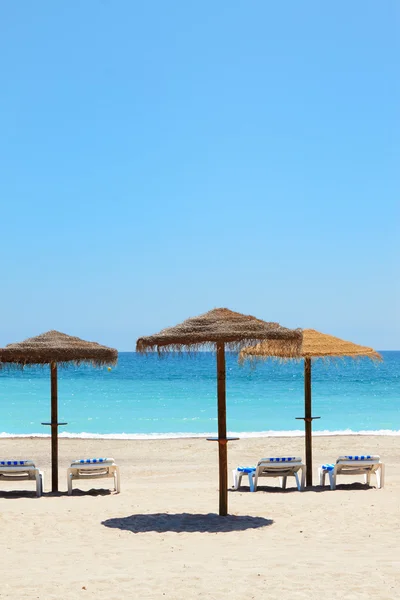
(23, 472)
(98, 470)
(357, 465)
(273, 467)
(267, 467)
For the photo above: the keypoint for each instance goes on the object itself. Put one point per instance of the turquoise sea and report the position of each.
(144, 396)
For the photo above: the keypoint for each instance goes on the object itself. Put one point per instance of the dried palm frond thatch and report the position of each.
(221, 329)
(221, 325)
(56, 347)
(315, 345)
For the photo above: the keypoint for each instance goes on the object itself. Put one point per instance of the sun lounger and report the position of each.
(93, 468)
(366, 465)
(22, 470)
(282, 467)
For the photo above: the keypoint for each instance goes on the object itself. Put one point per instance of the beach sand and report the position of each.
(161, 537)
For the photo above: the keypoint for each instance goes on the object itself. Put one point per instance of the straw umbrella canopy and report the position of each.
(55, 348)
(315, 345)
(220, 329)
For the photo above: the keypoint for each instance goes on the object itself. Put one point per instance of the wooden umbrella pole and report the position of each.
(54, 428)
(308, 419)
(222, 442)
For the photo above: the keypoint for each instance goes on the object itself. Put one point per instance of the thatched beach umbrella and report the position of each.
(219, 329)
(55, 348)
(315, 345)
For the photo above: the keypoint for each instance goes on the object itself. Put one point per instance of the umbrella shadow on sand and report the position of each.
(186, 522)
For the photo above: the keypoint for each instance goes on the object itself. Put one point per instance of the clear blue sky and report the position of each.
(159, 159)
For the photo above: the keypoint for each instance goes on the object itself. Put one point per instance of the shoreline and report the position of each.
(298, 433)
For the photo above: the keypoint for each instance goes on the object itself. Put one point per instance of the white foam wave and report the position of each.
(167, 436)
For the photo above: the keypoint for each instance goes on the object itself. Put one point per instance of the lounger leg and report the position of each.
(367, 478)
(38, 478)
(321, 474)
(303, 476)
(332, 478)
(251, 482)
(380, 476)
(117, 479)
(255, 482)
(41, 475)
(69, 482)
(236, 479)
(283, 481)
(297, 481)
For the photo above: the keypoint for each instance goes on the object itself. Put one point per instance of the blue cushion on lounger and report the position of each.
(246, 469)
(365, 457)
(284, 459)
(328, 467)
(12, 463)
(92, 461)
